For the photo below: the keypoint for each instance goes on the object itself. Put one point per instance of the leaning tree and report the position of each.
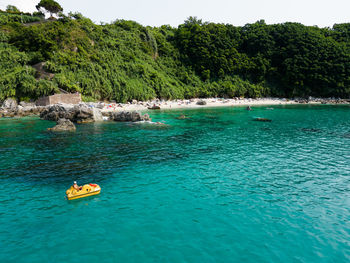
(49, 6)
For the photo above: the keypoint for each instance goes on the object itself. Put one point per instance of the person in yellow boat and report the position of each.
(76, 186)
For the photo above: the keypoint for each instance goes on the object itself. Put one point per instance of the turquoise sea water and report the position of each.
(216, 187)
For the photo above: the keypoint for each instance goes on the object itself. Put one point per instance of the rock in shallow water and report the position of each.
(262, 119)
(154, 107)
(182, 117)
(63, 125)
(78, 113)
(21, 111)
(131, 116)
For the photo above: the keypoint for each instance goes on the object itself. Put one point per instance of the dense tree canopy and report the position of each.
(290, 58)
(124, 60)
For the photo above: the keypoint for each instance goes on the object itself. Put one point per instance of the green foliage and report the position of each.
(39, 14)
(50, 6)
(124, 60)
(293, 59)
(12, 9)
(17, 78)
(6, 18)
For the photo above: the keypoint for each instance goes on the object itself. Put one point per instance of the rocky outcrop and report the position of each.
(10, 108)
(10, 104)
(56, 112)
(63, 125)
(322, 100)
(302, 101)
(130, 116)
(27, 104)
(97, 114)
(84, 114)
(154, 107)
(79, 113)
(41, 73)
(201, 102)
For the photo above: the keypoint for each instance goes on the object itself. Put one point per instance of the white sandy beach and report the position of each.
(192, 103)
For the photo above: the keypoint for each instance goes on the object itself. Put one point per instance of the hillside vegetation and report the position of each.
(124, 60)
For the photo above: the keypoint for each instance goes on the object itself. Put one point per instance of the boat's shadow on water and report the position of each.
(76, 203)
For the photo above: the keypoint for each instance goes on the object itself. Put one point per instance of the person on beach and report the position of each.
(76, 186)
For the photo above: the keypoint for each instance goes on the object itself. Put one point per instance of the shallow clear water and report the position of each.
(216, 187)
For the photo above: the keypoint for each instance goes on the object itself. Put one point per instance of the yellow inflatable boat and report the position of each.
(87, 190)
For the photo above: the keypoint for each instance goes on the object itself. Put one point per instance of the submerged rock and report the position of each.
(346, 135)
(131, 116)
(182, 117)
(310, 130)
(63, 125)
(149, 125)
(262, 119)
(159, 123)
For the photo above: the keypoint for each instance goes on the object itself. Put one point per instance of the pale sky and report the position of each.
(323, 13)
